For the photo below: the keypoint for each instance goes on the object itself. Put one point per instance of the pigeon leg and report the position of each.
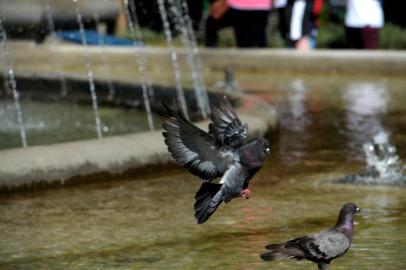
(246, 193)
(322, 266)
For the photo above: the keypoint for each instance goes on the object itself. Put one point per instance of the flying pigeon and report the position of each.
(222, 152)
(322, 247)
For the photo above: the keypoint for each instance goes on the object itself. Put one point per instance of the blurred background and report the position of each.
(26, 19)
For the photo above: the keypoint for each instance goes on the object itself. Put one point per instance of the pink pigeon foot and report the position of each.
(246, 193)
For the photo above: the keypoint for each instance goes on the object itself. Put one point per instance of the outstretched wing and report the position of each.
(323, 246)
(193, 148)
(226, 127)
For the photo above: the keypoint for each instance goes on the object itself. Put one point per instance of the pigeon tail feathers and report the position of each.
(207, 200)
(279, 251)
(273, 256)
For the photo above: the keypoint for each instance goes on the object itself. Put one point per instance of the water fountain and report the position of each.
(135, 33)
(181, 26)
(92, 87)
(174, 58)
(383, 165)
(196, 54)
(12, 82)
(54, 44)
(101, 31)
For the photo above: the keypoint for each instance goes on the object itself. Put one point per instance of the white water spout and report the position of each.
(12, 82)
(92, 87)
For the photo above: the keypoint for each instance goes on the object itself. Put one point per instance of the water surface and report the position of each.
(55, 122)
(146, 221)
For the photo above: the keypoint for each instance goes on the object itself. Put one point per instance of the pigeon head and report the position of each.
(345, 218)
(254, 153)
(350, 209)
(261, 146)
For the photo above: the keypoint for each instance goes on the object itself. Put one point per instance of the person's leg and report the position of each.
(258, 28)
(370, 38)
(241, 28)
(300, 24)
(283, 24)
(213, 26)
(211, 32)
(195, 8)
(250, 28)
(303, 44)
(354, 40)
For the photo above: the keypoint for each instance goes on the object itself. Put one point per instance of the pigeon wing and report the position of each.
(226, 127)
(331, 244)
(323, 246)
(193, 148)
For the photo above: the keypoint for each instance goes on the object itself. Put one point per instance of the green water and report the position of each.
(55, 122)
(146, 221)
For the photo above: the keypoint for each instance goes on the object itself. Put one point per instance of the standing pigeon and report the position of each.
(223, 152)
(322, 247)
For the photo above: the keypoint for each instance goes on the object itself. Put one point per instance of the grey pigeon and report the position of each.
(223, 152)
(322, 247)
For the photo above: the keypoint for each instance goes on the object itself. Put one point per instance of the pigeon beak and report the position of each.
(267, 150)
(357, 210)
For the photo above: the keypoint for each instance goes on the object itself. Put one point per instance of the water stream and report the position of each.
(54, 45)
(104, 56)
(92, 87)
(182, 27)
(174, 58)
(136, 36)
(9, 72)
(196, 53)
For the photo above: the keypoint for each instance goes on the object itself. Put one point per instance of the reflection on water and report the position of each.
(365, 104)
(293, 119)
(146, 222)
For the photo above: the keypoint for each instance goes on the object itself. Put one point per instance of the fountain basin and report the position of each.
(58, 163)
(32, 64)
(112, 155)
(145, 220)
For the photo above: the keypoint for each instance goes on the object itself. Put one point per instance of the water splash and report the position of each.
(12, 81)
(182, 26)
(54, 44)
(383, 165)
(104, 56)
(135, 33)
(92, 86)
(174, 58)
(365, 105)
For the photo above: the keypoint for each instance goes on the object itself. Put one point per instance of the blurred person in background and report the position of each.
(298, 22)
(249, 19)
(363, 19)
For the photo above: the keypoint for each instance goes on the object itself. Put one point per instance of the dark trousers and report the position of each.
(249, 27)
(362, 38)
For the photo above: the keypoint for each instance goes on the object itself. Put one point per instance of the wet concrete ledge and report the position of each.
(34, 58)
(59, 163)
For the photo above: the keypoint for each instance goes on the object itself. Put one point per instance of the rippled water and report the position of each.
(146, 221)
(57, 122)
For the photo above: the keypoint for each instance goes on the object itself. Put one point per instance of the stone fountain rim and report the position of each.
(57, 164)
